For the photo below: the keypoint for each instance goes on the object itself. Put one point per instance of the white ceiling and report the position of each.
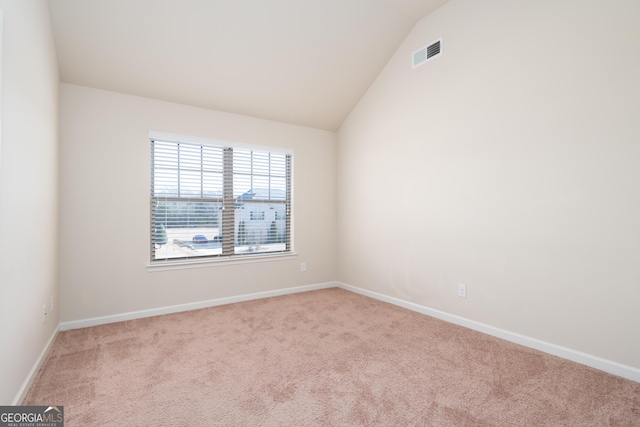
(306, 62)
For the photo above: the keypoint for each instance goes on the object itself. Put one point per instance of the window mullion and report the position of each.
(228, 204)
(288, 204)
(179, 175)
(153, 203)
(201, 171)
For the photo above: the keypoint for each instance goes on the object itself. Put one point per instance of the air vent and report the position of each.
(427, 53)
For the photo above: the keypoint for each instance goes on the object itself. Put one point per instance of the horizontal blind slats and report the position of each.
(198, 212)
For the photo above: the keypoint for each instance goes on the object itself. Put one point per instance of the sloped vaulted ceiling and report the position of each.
(305, 62)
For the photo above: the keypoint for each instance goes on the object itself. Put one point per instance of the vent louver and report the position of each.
(426, 53)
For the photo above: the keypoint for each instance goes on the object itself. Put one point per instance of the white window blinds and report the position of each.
(213, 201)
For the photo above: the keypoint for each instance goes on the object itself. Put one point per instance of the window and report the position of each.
(211, 201)
(257, 216)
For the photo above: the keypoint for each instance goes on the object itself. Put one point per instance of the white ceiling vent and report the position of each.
(427, 53)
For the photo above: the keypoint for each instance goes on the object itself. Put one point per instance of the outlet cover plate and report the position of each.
(462, 290)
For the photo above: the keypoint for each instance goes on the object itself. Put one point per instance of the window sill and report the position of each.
(218, 262)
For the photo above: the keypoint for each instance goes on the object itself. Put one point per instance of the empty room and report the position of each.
(320, 212)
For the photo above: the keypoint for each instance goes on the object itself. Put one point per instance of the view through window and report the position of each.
(217, 200)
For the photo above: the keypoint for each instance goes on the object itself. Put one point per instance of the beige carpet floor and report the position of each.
(321, 358)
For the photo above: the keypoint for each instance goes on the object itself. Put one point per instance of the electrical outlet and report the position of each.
(303, 266)
(462, 291)
(51, 306)
(44, 313)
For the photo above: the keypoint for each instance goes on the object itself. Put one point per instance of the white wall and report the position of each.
(104, 205)
(28, 190)
(509, 164)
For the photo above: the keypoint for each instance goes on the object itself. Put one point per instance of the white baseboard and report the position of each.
(22, 393)
(75, 324)
(599, 363)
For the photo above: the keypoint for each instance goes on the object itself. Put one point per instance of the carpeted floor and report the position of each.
(321, 358)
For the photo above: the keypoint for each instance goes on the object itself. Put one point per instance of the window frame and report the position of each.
(228, 201)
